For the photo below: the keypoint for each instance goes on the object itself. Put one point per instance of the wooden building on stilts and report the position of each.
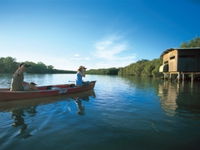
(181, 62)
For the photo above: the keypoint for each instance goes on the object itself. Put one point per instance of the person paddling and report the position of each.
(79, 75)
(17, 82)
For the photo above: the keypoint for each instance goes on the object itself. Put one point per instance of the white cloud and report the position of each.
(76, 55)
(113, 52)
(110, 47)
(87, 58)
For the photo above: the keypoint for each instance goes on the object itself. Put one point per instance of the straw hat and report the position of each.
(82, 67)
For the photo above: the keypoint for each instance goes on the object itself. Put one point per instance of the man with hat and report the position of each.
(17, 83)
(79, 75)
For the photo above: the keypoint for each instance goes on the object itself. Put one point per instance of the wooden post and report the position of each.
(192, 79)
(183, 77)
(164, 76)
(170, 76)
(178, 76)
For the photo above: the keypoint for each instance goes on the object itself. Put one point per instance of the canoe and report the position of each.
(7, 106)
(45, 91)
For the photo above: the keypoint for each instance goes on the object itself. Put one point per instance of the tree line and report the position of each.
(10, 65)
(109, 71)
(143, 67)
(140, 68)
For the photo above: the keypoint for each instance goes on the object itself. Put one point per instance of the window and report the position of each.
(165, 62)
(172, 57)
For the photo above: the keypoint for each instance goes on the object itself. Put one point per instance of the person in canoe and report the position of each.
(80, 74)
(17, 82)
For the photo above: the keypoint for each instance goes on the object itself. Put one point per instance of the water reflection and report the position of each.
(182, 98)
(22, 111)
(168, 93)
(179, 97)
(22, 104)
(19, 121)
(78, 101)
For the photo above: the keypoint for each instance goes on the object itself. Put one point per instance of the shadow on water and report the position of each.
(19, 109)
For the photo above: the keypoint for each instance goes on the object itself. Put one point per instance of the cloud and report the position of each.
(113, 51)
(87, 58)
(76, 55)
(78, 58)
(109, 48)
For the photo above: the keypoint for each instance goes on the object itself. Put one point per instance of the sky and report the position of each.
(95, 33)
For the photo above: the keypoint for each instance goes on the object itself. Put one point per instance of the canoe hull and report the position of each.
(43, 91)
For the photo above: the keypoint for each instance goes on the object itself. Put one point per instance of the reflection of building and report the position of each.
(179, 96)
(168, 96)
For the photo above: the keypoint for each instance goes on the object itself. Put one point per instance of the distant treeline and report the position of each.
(140, 68)
(109, 71)
(9, 65)
(143, 67)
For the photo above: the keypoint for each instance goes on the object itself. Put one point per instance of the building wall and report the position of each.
(171, 59)
(189, 60)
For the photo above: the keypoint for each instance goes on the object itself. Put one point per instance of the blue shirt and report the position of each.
(79, 80)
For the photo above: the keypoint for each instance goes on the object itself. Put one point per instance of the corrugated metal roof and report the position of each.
(171, 49)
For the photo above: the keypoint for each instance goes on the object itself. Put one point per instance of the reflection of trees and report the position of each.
(18, 120)
(141, 82)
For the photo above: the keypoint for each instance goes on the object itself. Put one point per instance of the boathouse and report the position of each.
(181, 62)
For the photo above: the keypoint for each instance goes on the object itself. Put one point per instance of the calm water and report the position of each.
(120, 114)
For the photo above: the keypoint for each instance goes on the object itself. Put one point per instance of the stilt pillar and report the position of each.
(192, 79)
(183, 76)
(178, 76)
(170, 76)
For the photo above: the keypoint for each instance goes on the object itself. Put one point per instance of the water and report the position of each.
(121, 113)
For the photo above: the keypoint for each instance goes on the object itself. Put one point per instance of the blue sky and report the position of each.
(94, 33)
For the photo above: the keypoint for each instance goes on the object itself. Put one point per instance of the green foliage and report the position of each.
(9, 65)
(142, 68)
(42, 68)
(109, 71)
(192, 43)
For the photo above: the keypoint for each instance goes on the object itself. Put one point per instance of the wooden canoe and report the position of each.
(7, 106)
(45, 91)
